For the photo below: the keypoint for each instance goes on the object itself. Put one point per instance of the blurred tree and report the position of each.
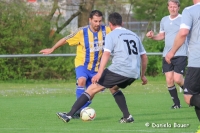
(153, 10)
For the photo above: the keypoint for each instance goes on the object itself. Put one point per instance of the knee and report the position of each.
(114, 89)
(81, 82)
(178, 78)
(187, 99)
(93, 89)
(170, 82)
(178, 81)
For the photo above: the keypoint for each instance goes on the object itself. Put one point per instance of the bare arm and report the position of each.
(104, 61)
(50, 50)
(159, 36)
(144, 61)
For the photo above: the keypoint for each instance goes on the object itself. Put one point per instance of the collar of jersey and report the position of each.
(120, 28)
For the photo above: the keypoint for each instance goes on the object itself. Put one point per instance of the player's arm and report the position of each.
(159, 36)
(178, 42)
(50, 50)
(72, 39)
(104, 60)
(144, 61)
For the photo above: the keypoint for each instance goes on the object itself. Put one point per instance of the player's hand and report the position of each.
(46, 51)
(168, 57)
(96, 78)
(144, 80)
(150, 34)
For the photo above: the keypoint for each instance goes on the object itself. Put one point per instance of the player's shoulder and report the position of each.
(105, 27)
(81, 28)
(193, 8)
(165, 18)
(179, 15)
(76, 32)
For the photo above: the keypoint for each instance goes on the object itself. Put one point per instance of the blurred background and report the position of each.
(27, 26)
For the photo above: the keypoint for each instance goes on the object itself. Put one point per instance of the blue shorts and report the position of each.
(82, 71)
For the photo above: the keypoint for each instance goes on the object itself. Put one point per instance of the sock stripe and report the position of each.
(87, 95)
(171, 88)
(116, 92)
(80, 88)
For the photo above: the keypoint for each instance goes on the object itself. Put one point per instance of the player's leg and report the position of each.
(86, 96)
(90, 74)
(180, 63)
(172, 89)
(88, 83)
(192, 89)
(81, 101)
(114, 82)
(169, 74)
(80, 88)
(120, 100)
(178, 78)
(81, 76)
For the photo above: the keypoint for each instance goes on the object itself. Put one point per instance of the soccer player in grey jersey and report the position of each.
(190, 26)
(129, 56)
(169, 27)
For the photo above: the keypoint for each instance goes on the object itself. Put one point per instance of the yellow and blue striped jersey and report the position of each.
(89, 46)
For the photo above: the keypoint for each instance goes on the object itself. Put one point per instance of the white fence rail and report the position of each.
(49, 55)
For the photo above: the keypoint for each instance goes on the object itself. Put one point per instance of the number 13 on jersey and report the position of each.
(132, 49)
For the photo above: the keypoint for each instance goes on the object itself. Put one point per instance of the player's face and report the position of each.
(173, 9)
(95, 23)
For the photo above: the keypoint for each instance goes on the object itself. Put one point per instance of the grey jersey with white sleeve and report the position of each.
(170, 28)
(191, 21)
(126, 49)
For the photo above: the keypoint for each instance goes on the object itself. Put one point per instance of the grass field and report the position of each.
(31, 107)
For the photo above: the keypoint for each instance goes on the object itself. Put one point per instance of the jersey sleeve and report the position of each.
(162, 26)
(74, 38)
(109, 45)
(141, 48)
(186, 20)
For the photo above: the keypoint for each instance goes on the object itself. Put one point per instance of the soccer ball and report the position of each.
(88, 114)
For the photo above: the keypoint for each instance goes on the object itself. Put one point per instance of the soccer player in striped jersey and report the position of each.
(190, 27)
(129, 63)
(169, 27)
(90, 42)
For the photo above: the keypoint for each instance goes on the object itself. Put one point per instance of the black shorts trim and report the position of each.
(110, 79)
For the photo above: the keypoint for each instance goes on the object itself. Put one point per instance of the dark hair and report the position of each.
(95, 13)
(115, 19)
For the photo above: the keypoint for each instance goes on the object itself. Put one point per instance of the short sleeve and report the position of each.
(186, 20)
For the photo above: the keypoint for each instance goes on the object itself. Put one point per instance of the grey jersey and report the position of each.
(126, 48)
(191, 21)
(171, 27)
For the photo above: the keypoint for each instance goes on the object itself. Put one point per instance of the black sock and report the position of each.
(197, 110)
(82, 100)
(121, 102)
(173, 92)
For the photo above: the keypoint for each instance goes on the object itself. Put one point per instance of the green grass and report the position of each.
(31, 108)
